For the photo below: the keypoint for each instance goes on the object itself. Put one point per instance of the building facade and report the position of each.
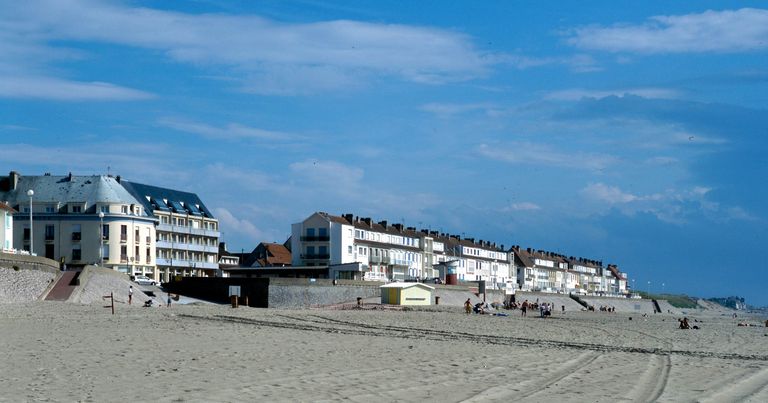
(187, 234)
(6, 228)
(99, 219)
(79, 220)
(380, 251)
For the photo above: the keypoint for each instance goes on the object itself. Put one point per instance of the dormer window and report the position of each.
(77, 209)
(124, 209)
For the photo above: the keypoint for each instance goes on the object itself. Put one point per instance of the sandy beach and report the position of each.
(55, 351)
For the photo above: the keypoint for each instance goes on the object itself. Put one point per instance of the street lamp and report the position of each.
(31, 193)
(101, 238)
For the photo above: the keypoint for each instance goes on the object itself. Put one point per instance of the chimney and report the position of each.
(14, 179)
(117, 178)
(348, 217)
(411, 229)
(399, 227)
(383, 224)
(367, 220)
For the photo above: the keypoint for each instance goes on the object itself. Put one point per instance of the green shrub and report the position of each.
(15, 268)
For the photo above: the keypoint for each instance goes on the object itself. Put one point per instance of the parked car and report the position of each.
(143, 280)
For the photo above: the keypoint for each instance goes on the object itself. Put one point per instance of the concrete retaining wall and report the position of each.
(306, 295)
(27, 262)
(621, 304)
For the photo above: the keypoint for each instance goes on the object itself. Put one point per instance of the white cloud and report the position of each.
(727, 31)
(446, 110)
(235, 225)
(266, 56)
(608, 194)
(328, 173)
(580, 63)
(540, 154)
(575, 94)
(523, 206)
(229, 132)
(66, 90)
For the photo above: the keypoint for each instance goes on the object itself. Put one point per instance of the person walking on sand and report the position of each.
(468, 306)
(524, 308)
(130, 294)
(169, 300)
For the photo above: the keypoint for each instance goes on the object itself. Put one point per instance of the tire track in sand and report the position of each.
(361, 329)
(650, 386)
(534, 386)
(741, 390)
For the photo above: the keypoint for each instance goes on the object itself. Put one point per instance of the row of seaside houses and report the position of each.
(158, 232)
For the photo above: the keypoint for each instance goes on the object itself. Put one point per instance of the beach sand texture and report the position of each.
(76, 352)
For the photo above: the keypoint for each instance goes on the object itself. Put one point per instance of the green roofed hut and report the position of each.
(406, 294)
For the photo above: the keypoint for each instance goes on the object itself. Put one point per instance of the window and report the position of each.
(349, 249)
(49, 209)
(76, 233)
(105, 232)
(148, 256)
(76, 252)
(123, 253)
(323, 231)
(323, 250)
(49, 233)
(310, 232)
(105, 252)
(138, 256)
(137, 236)
(49, 251)
(77, 209)
(310, 250)
(26, 234)
(124, 209)
(104, 209)
(123, 233)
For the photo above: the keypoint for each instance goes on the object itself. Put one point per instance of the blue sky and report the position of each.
(633, 134)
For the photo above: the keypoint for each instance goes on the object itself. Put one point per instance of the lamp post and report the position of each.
(31, 193)
(101, 238)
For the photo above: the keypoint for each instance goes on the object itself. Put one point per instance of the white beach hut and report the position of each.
(406, 294)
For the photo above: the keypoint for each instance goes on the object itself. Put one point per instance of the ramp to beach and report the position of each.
(64, 287)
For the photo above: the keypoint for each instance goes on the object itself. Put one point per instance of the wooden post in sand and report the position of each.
(111, 297)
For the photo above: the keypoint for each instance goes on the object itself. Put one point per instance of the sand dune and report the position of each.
(67, 352)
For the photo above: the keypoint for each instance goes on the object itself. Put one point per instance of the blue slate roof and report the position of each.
(89, 189)
(164, 199)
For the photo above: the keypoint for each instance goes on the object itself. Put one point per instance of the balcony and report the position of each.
(76, 236)
(315, 256)
(186, 246)
(123, 237)
(316, 238)
(178, 229)
(123, 258)
(380, 259)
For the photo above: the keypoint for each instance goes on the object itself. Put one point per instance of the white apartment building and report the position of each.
(79, 220)
(6, 228)
(129, 227)
(187, 234)
(369, 250)
(539, 270)
(381, 251)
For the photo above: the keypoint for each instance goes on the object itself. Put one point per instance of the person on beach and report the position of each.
(130, 294)
(467, 304)
(524, 308)
(684, 323)
(169, 300)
